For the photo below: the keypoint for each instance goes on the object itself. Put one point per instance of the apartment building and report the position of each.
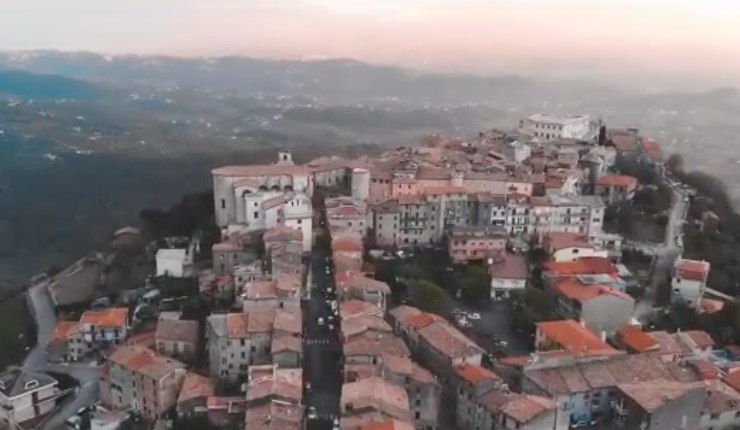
(373, 399)
(194, 394)
(347, 213)
(143, 381)
(178, 339)
(352, 285)
(509, 274)
(615, 188)
(571, 337)
(101, 329)
(475, 243)
(281, 292)
(689, 281)
(549, 128)
(238, 340)
(67, 343)
(422, 388)
(659, 405)
(564, 247)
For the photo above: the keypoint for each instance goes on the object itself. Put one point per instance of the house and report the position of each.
(659, 405)
(287, 351)
(585, 389)
(237, 341)
(347, 213)
(509, 273)
(565, 247)
(370, 400)
(228, 255)
(474, 243)
(143, 381)
(194, 393)
(635, 341)
(572, 337)
(422, 388)
(548, 128)
(689, 281)
(356, 285)
(371, 351)
(274, 398)
(177, 339)
(681, 345)
(441, 346)
(506, 410)
(67, 343)
(101, 329)
(602, 309)
(721, 407)
(472, 382)
(25, 395)
(364, 326)
(615, 188)
(282, 292)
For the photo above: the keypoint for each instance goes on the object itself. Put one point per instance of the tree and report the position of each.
(476, 285)
(428, 296)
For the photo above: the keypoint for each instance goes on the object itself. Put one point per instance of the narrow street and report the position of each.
(322, 358)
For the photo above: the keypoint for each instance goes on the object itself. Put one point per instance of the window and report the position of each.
(256, 214)
(223, 203)
(714, 416)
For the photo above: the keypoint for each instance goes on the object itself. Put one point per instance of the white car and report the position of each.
(312, 414)
(321, 321)
(328, 270)
(473, 316)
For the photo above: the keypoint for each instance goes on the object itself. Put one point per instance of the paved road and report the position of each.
(322, 365)
(665, 253)
(496, 320)
(46, 320)
(87, 395)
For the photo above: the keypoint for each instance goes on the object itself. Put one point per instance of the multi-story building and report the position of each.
(67, 342)
(373, 399)
(518, 207)
(491, 209)
(577, 214)
(194, 394)
(25, 395)
(555, 127)
(721, 405)
(297, 214)
(659, 405)
(509, 274)
(101, 329)
(423, 390)
(615, 188)
(143, 381)
(281, 292)
(177, 338)
(564, 247)
(475, 243)
(228, 255)
(689, 281)
(386, 223)
(586, 390)
(237, 341)
(571, 337)
(273, 399)
(347, 213)
(471, 383)
(358, 286)
(602, 309)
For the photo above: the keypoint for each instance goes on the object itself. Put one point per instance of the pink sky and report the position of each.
(682, 36)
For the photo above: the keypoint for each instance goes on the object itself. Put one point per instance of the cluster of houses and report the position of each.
(549, 183)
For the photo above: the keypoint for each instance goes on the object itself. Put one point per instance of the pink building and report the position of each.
(471, 244)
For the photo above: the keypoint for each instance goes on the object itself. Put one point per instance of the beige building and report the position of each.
(237, 341)
(421, 386)
(177, 339)
(372, 399)
(143, 381)
(25, 395)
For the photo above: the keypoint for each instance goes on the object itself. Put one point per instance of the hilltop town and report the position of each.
(464, 283)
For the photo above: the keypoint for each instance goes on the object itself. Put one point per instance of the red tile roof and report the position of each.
(346, 245)
(435, 191)
(637, 340)
(560, 240)
(582, 266)
(574, 338)
(617, 181)
(733, 380)
(63, 330)
(573, 289)
(113, 317)
(388, 425)
(195, 386)
(475, 374)
(694, 270)
(700, 338)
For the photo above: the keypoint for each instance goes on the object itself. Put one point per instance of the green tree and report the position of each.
(476, 285)
(428, 296)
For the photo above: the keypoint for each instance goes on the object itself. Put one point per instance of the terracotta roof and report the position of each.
(378, 394)
(582, 266)
(376, 347)
(288, 321)
(363, 323)
(63, 330)
(668, 342)
(606, 373)
(388, 206)
(241, 325)
(617, 181)
(700, 338)
(286, 343)
(733, 380)
(403, 365)
(403, 313)
(560, 240)
(353, 307)
(410, 199)
(574, 338)
(522, 408)
(388, 425)
(720, 398)
(113, 317)
(354, 280)
(346, 245)
(710, 306)
(692, 269)
(419, 321)
(195, 386)
(177, 330)
(575, 290)
(510, 267)
(284, 384)
(139, 359)
(637, 340)
(475, 374)
(625, 142)
(448, 340)
(651, 395)
(226, 247)
(282, 233)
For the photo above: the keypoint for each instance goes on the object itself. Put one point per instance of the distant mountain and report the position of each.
(24, 84)
(331, 81)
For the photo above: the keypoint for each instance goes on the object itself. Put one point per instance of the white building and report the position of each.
(175, 263)
(297, 214)
(554, 127)
(25, 396)
(508, 275)
(232, 183)
(689, 281)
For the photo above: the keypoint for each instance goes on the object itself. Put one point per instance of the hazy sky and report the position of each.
(679, 36)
